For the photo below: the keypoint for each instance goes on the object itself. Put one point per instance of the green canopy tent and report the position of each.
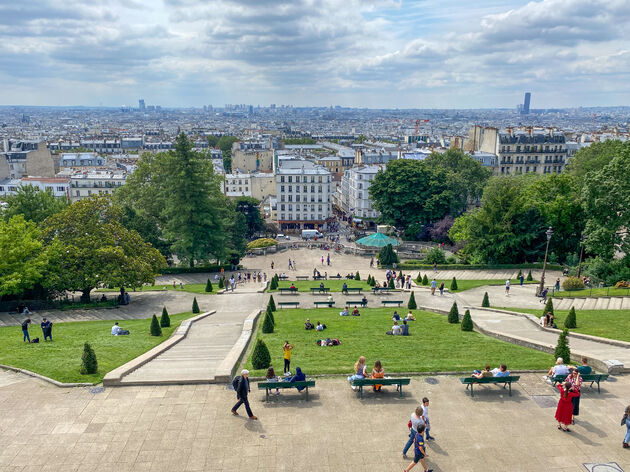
(377, 240)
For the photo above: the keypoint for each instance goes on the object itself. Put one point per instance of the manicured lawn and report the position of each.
(333, 285)
(191, 288)
(468, 284)
(593, 292)
(434, 344)
(61, 359)
(611, 324)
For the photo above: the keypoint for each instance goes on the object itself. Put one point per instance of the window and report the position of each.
(1, 188)
(320, 179)
(281, 198)
(61, 189)
(313, 188)
(297, 198)
(319, 190)
(290, 207)
(282, 188)
(290, 179)
(305, 187)
(282, 178)
(290, 197)
(78, 193)
(290, 188)
(319, 207)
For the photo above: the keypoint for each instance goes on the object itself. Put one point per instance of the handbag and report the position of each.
(623, 419)
(409, 425)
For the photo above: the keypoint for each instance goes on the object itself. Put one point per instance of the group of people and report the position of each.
(360, 372)
(547, 320)
(401, 329)
(569, 403)
(46, 326)
(400, 280)
(309, 326)
(346, 312)
(419, 428)
(501, 371)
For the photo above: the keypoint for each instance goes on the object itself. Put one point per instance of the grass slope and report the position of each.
(434, 344)
(61, 359)
(611, 324)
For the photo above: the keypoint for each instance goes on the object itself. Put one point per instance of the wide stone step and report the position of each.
(615, 303)
(625, 303)
(602, 303)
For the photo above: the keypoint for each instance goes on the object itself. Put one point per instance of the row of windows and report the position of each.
(299, 217)
(289, 198)
(530, 160)
(531, 149)
(12, 188)
(304, 179)
(527, 169)
(240, 189)
(297, 207)
(304, 188)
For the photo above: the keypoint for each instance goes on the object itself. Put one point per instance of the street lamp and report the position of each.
(579, 270)
(549, 234)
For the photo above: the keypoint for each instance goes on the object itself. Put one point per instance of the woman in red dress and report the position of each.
(564, 412)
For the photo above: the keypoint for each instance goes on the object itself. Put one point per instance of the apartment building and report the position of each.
(530, 151)
(353, 195)
(26, 158)
(60, 187)
(81, 159)
(84, 184)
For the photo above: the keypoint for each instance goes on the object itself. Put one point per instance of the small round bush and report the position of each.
(573, 283)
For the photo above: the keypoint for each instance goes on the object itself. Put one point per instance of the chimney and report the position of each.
(510, 130)
(530, 131)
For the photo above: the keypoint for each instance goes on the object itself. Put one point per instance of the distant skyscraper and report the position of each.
(528, 97)
(141, 106)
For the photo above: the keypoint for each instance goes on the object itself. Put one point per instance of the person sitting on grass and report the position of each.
(395, 316)
(320, 327)
(559, 369)
(479, 374)
(501, 371)
(410, 316)
(377, 373)
(308, 325)
(396, 330)
(118, 331)
(298, 377)
(271, 377)
(355, 312)
(345, 312)
(405, 328)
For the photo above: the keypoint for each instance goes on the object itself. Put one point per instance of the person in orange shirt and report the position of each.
(377, 373)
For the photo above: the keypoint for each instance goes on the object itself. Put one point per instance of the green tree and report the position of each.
(453, 285)
(571, 320)
(529, 277)
(250, 208)
(155, 329)
(213, 141)
(419, 278)
(165, 320)
(24, 259)
(387, 256)
(268, 325)
(274, 284)
(425, 280)
(221, 283)
(32, 203)
(271, 303)
(562, 348)
(453, 315)
(225, 144)
(412, 302)
(548, 307)
(261, 359)
(195, 306)
(357, 276)
(435, 256)
(595, 157)
(467, 324)
(89, 363)
(208, 285)
(146, 225)
(269, 312)
(391, 283)
(237, 244)
(89, 247)
(486, 301)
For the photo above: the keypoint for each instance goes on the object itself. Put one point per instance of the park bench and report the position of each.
(320, 290)
(356, 302)
(326, 303)
(392, 302)
(293, 304)
(318, 277)
(267, 386)
(592, 378)
(353, 290)
(382, 289)
(283, 277)
(506, 381)
(284, 290)
(301, 277)
(338, 277)
(399, 382)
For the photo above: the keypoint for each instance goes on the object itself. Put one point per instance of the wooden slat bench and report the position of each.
(320, 290)
(399, 382)
(284, 290)
(392, 302)
(301, 277)
(506, 381)
(326, 303)
(592, 378)
(268, 386)
(382, 290)
(353, 290)
(285, 304)
(338, 277)
(356, 302)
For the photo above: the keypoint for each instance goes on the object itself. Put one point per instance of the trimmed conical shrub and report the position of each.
(419, 278)
(548, 307)
(562, 349)
(520, 272)
(270, 312)
(571, 321)
(271, 303)
(529, 277)
(155, 326)
(467, 324)
(165, 320)
(357, 276)
(195, 307)
(372, 281)
(391, 283)
(221, 283)
(486, 301)
(425, 280)
(274, 284)
(267, 326)
(412, 302)
(208, 286)
(453, 315)
(454, 285)
(261, 359)
(89, 364)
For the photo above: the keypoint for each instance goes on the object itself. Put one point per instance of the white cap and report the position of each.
(244, 372)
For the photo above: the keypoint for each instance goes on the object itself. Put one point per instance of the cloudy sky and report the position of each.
(372, 53)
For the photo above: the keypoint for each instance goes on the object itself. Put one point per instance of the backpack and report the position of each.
(235, 382)
(35, 341)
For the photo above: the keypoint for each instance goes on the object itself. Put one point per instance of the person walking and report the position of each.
(564, 411)
(290, 265)
(626, 420)
(435, 267)
(507, 288)
(242, 390)
(521, 278)
(287, 348)
(433, 286)
(442, 289)
(271, 265)
(419, 451)
(328, 259)
(415, 421)
(25, 324)
(371, 261)
(575, 379)
(557, 284)
(425, 414)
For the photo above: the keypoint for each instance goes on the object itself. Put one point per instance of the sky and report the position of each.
(357, 53)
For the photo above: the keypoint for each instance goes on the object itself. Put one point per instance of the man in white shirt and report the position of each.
(559, 369)
(396, 329)
(118, 331)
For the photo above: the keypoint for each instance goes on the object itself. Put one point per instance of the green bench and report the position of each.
(326, 303)
(392, 302)
(399, 382)
(284, 290)
(268, 386)
(320, 290)
(301, 277)
(349, 290)
(356, 302)
(382, 289)
(592, 378)
(506, 381)
(338, 277)
(293, 304)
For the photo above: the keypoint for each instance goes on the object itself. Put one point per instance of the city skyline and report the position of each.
(417, 54)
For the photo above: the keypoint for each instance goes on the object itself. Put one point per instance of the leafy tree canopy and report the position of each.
(595, 157)
(249, 208)
(34, 204)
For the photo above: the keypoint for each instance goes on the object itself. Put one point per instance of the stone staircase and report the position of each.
(592, 303)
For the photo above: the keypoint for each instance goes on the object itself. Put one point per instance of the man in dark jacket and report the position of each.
(242, 390)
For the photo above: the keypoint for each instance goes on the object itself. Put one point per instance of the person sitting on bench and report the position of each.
(321, 286)
(405, 328)
(330, 299)
(501, 371)
(320, 327)
(364, 300)
(298, 377)
(26, 311)
(344, 288)
(377, 373)
(396, 330)
(355, 312)
(118, 331)
(410, 316)
(479, 374)
(559, 369)
(308, 325)
(396, 316)
(292, 287)
(345, 312)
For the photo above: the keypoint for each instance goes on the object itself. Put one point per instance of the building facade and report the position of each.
(84, 184)
(529, 151)
(58, 186)
(359, 180)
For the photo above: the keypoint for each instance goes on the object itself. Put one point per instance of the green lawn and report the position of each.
(468, 284)
(611, 324)
(593, 292)
(333, 285)
(61, 359)
(434, 344)
(191, 288)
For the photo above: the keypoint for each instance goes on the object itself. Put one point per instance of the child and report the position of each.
(425, 409)
(271, 377)
(419, 450)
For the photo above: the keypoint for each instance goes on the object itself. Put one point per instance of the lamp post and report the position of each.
(549, 234)
(579, 269)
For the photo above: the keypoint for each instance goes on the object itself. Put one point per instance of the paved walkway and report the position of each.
(592, 303)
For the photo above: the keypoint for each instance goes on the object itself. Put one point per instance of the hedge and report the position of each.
(416, 264)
